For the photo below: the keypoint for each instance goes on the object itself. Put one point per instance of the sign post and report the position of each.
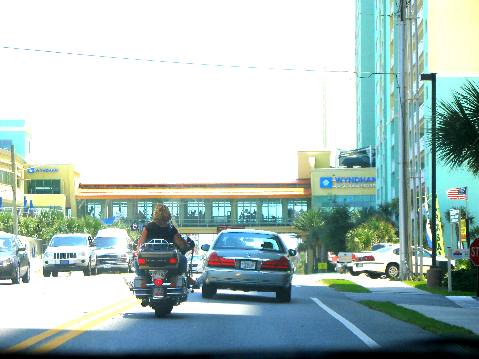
(474, 256)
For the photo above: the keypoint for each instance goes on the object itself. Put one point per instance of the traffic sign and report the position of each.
(474, 252)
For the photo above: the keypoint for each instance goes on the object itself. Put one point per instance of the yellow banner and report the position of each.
(439, 237)
(463, 229)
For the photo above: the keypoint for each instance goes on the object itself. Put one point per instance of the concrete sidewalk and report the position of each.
(462, 311)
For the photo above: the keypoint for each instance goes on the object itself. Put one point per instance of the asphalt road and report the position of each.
(98, 315)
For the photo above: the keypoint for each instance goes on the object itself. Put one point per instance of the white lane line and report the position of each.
(350, 326)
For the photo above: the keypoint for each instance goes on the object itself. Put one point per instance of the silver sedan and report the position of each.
(248, 260)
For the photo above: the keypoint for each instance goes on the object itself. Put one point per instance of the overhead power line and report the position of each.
(174, 62)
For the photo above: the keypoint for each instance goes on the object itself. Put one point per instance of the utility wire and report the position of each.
(175, 62)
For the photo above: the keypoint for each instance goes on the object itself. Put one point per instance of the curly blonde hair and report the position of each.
(161, 214)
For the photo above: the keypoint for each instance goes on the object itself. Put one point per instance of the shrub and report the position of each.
(463, 280)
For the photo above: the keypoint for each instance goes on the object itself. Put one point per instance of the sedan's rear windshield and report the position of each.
(249, 241)
(68, 241)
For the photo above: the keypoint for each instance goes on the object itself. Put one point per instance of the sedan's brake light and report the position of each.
(214, 260)
(279, 264)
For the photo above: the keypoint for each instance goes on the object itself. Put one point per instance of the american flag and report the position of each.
(457, 193)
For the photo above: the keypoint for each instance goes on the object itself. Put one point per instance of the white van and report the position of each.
(113, 250)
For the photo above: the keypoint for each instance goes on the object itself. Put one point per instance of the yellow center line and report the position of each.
(48, 333)
(62, 339)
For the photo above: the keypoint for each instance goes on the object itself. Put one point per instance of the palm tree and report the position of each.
(458, 129)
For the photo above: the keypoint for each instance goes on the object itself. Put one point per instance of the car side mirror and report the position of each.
(292, 252)
(205, 247)
(21, 249)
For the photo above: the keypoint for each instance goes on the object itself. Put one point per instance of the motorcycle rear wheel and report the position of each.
(162, 309)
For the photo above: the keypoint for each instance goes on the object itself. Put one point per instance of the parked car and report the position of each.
(70, 252)
(345, 260)
(385, 261)
(195, 264)
(113, 250)
(248, 260)
(14, 260)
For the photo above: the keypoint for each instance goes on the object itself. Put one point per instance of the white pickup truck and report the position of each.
(70, 252)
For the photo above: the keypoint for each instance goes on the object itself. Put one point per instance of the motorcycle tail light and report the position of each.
(158, 282)
(141, 261)
(173, 260)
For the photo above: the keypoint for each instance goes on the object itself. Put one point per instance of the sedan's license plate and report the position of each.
(64, 261)
(359, 265)
(248, 265)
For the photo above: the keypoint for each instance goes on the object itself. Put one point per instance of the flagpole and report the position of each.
(467, 223)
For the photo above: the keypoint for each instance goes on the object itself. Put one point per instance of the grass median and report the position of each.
(422, 284)
(418, 319)
(344, 285)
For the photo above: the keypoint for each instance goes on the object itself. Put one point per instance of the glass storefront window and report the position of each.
(272, 211)
(94, 209)
(120, 209)
(295, 208)
(195, 210)
(145, 210)
(6, 177)
(46, 186)
(221, 211)
(174, 207)
(246, 212)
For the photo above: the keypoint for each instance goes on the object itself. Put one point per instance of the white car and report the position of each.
(196, 265)
(70, 252)
(385, 261)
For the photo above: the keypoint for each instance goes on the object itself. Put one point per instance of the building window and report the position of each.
(120, 209)
(6, 177)
(246, 212)
(174, 207)
(6, 144)
(221, 211)
(295, 208)
(195, 212)
(272, 211)
(94, 209)
(46, 186)
(145, 210)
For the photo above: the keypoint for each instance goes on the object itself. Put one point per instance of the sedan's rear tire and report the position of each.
(208, 291)
(284, 295)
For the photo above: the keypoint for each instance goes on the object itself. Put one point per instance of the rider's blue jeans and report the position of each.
(182, 265)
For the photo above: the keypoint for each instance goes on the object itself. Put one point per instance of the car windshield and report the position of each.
(68, 241)
(6, 244)
(110, 242)
(249, 241)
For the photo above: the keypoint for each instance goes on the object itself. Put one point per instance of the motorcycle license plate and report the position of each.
(248, 265)
(159, 274)
(64, 261)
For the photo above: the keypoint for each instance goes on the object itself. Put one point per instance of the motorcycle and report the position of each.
(163, 286)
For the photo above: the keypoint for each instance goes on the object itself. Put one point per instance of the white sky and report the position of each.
(131, 121)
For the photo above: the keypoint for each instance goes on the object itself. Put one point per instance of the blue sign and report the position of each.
(41, 170)
(326, 182)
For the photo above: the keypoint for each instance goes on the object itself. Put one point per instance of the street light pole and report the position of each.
(14, 191)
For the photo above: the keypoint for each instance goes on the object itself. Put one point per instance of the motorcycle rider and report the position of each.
(161, 227)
